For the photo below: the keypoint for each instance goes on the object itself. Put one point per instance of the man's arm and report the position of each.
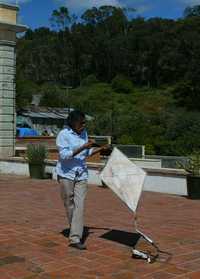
(65, 150)
(87, 145)
(99, 149)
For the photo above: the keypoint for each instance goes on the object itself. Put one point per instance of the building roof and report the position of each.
(53, 113)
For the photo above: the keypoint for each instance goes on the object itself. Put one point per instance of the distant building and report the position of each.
(47, 121)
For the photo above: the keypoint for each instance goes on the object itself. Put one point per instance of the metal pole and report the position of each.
(68, 97)
(68, 106)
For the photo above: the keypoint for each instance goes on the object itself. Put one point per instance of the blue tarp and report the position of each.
(26, 132)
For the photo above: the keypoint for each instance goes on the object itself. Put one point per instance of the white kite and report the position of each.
(126, 180)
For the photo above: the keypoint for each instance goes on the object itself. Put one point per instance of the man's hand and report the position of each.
(105, 147)
(89, 144)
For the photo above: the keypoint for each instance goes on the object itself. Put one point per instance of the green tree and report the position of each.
(192, 11)
(53, 96)
(121, 84)
(60, 19)
(25, 89)
(187, 94)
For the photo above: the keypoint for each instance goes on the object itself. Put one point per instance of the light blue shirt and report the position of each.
(69, 166)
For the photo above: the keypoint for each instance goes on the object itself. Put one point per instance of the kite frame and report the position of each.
(135, 252)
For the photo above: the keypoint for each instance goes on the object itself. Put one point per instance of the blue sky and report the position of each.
(36, 13)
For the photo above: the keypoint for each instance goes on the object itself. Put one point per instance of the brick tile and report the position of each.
(160, 275)
(5, 276)
(194, 275)
(32, 246)
(175, 270)
(191, 265)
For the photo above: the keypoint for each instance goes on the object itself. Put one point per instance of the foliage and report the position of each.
(192, 11)
(89, 80)
(25, 89)
(185, 92)
(121, 84)
(149, 149)
(126, 139)
(138, 78)
(60, 18)
(193, 164)
(53, 96)
(144, 117)
(107, 43)
(36, 153)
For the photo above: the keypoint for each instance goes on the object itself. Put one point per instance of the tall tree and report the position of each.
(192, 11)
(60, 19)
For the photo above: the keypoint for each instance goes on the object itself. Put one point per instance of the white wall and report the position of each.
(166, 184)
(169, 181)
(17, 168)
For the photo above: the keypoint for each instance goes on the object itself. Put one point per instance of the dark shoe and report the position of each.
(78, 245)
(65, 232)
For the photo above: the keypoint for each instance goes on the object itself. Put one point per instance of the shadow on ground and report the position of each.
(122, 237)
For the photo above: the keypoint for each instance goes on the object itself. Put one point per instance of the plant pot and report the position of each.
(36, 170)
(193, 186)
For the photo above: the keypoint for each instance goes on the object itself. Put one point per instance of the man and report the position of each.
(74, 147)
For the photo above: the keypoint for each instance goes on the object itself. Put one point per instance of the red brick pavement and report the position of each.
(32, 246)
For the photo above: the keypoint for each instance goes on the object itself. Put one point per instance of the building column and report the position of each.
(8, 30)
(7, 99)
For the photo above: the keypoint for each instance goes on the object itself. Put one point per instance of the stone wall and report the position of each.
(7, 99)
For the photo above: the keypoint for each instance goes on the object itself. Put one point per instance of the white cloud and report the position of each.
(143, 8)
(14, 1)
(23, 1)
(79, 5)
(190, 2)
(158, 7)
(85, 4)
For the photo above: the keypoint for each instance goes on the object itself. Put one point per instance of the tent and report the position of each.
(126, 180)
(26, 132)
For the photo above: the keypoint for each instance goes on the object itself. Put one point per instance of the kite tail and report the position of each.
(146, 255)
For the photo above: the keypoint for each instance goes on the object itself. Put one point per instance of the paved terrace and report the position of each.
(33, 244)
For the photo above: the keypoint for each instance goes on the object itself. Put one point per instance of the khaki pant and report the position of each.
(73, 195)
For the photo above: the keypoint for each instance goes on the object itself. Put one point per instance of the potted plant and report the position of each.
(36, 155)
(193, 177)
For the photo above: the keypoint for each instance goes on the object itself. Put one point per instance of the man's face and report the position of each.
(79, 126)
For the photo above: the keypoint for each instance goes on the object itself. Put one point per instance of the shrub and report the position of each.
(120, 84)
(25, 89)
(53, 96)
(126, 139)
(36, 153)
(89, 80)
(193, 164)
(149, 149)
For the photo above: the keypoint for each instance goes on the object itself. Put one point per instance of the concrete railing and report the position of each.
(171, 181)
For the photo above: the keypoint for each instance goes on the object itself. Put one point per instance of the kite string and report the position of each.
(135, 221)
(158, 250)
